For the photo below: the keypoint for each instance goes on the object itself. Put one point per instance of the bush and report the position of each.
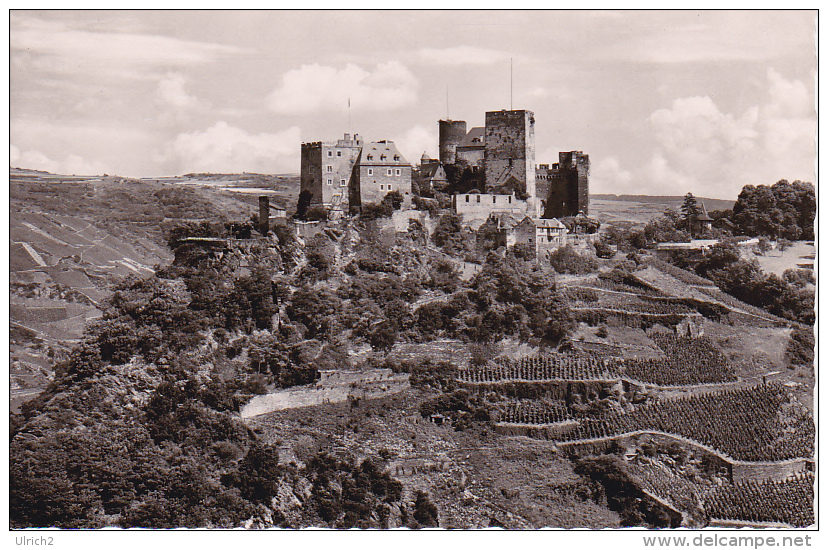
(425, 513)
(567, 260)
(603, 250)
(375, 211)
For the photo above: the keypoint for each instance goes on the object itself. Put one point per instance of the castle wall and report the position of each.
(451, 133)
(510, 152)
(475, 208)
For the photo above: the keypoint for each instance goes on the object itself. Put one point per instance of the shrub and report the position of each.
(567, 260)
(603, 250)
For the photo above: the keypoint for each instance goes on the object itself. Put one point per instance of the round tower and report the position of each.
(452, 133)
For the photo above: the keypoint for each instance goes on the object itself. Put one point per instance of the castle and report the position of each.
(486, 169)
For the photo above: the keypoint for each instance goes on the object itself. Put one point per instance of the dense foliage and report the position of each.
(783, 210)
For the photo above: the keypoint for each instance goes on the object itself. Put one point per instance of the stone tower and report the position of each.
(568, 185)
(452, 133)
(510, 155)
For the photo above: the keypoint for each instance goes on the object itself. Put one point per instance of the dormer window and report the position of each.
(382, 157)
(370, 157)
(396, 157)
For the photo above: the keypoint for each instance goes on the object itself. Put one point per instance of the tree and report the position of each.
(690, 211)
(302, 204)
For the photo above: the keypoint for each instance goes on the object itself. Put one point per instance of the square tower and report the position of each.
(566, 185)
(327, 170)
(509, 155)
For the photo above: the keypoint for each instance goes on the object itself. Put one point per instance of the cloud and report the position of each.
(417, 140)
(462, 55)
(172, 91)
(53, 46)
(607, 176)
(703, 150)
(316, 87)
(70, 164)
(225, 148)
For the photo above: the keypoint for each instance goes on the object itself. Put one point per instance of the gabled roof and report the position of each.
(430, 170)
(382, 153)
(553, 223)
(475, 138)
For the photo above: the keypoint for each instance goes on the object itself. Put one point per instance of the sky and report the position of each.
(664, 102)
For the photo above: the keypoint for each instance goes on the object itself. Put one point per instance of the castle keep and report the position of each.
(565, 185)
(499, 159)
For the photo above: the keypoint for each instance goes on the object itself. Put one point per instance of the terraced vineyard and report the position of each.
(538, 412)
(790, 501)
(753, 424)
(688, 361)
(559, 366)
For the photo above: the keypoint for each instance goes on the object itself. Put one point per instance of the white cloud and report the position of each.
(224, 148)
(417, 140)
(172, 92)
(70, 164)
(462, 55)
(317, 87)
(711, 153)
(123, 47)
(607, 176)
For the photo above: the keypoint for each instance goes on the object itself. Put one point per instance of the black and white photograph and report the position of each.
(413, 270)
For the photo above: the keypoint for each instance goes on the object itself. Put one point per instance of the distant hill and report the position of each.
(710, 204)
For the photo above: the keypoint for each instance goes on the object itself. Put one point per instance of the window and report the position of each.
(370, 157)
(329, 168)
(382, 157)
(339, 153)
(478, 198)
(330, 153)
(494, 199)
(396, 157)
(330, 181)
(467, 198)
(397, 171)
(510, 199)
(382, 187)
(342, 183)
(388, 172)
(370, 171)
(389, 187)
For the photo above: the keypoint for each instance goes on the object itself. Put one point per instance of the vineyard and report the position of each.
(606, 284)
(751, 424)
(538, 412)
(688, 361)
(682, 275)
(559, 366)
(790, 501)
(663, 483)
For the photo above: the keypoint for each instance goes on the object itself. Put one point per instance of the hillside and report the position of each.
(351, 375)
(71, 237)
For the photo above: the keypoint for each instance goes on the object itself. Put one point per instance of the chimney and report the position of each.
(347, 137)
(264, 215)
